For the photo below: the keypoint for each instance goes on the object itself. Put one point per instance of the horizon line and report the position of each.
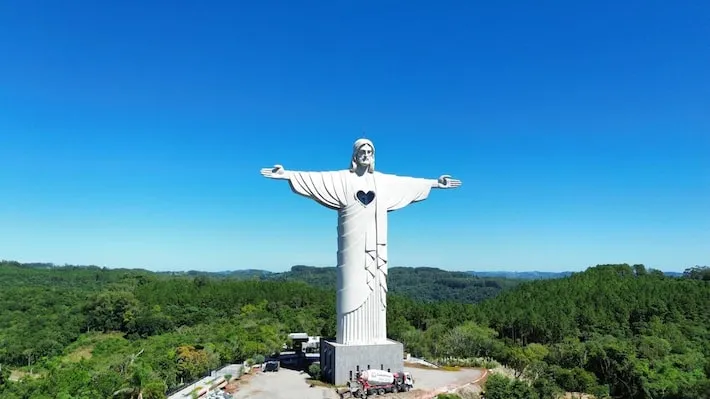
(228, 270)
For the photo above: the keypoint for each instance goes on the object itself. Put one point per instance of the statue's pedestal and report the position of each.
(340, 363)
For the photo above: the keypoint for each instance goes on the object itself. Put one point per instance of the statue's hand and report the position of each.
(275, 172)
(445, 181)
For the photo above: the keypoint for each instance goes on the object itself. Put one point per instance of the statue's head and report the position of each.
(363, 155)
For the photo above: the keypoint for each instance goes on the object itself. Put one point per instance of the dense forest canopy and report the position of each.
(88, 332)
(420, 283)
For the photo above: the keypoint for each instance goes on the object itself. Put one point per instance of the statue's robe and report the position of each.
(362, 203)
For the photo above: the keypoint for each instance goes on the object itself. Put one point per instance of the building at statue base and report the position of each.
(340, 363)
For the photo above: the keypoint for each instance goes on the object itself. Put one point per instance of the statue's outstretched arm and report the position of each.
(403, 190)
(326, 188)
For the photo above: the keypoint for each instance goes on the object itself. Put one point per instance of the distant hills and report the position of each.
(536, 275)
(299, 270)
(418, 283)
(425, 284)
(252, 273)
(533, 275)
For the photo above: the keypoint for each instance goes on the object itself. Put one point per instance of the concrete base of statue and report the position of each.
(340, 363)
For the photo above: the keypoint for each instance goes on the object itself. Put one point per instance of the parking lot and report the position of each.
(282, 385)
(292, 384)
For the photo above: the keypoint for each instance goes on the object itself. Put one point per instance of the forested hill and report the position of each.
(419, 283)
(606, 299)
(89, 332)
(644, 334)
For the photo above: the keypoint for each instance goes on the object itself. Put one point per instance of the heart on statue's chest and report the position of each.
(365, 198)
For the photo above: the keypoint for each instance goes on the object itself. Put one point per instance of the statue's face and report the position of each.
(364, 156)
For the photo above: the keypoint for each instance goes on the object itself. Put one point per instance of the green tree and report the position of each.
(501, 387)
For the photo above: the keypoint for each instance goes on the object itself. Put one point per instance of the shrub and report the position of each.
(314, 371)
(467, 362)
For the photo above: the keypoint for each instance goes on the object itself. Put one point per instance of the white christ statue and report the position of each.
(362, 198)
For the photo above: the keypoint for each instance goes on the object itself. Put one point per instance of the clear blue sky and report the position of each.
(132, 132)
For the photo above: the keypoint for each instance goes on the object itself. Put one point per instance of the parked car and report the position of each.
(270, 365)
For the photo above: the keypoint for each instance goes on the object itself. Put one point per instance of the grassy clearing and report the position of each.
(77, 355)
(84, 347)
(17, 375)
